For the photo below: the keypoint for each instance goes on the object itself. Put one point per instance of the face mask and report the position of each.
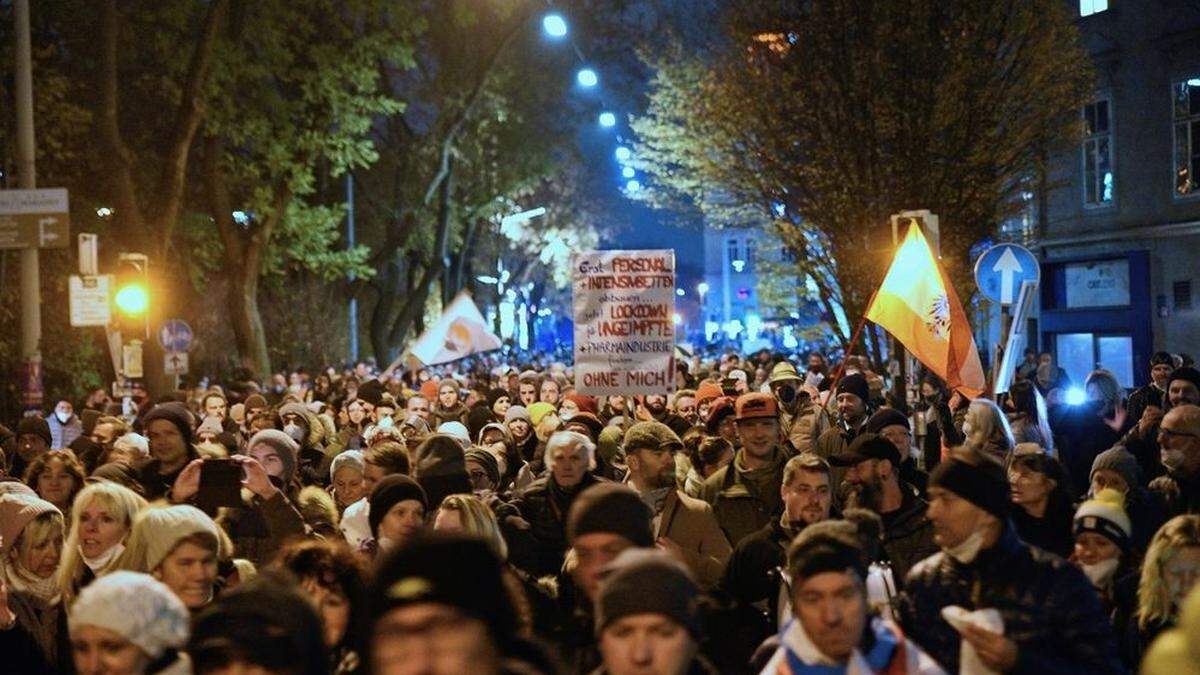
(1101, 572)
(966, 552)
(386, 544)
(101, 561)
(295, 431)
(62, 416)
(786, 394)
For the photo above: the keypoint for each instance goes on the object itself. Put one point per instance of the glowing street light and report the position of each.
(628, 172)
(633, 186)
(586, 77)
(608, 120)
(623, 154)
(554, 25)
(702, 289)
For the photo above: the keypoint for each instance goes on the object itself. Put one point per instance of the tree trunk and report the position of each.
(445, 190)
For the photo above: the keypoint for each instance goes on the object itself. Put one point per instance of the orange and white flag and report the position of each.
(917, 305)
(460, 331)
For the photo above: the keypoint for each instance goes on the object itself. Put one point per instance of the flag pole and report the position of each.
(862, 323)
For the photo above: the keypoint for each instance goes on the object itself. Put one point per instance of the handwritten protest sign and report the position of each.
(624, 322)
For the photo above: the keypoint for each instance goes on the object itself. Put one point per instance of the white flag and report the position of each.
(459, 332)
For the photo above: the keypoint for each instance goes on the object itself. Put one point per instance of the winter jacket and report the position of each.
(752, 575)
(884, 649)
(907, 533)
(1141, 399)
(544, 505)
(834, 441)
(800, 429)
(259, 531)
(690, 524)
(1048, 606)
(745, 500)
(62, 435)
(1083, 434)
(1052, 532)
(441, 415)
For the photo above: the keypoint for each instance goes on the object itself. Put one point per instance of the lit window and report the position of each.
(1097, 154)
(1090, 7)
(1186, 116)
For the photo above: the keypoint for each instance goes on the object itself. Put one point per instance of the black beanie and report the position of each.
(488, 461)
(371, 391)
(824, 550)
(1190, 374)
(610, 507)
(887, 417)
(36, 426)
(855, 383)
(441, 468)
(175, 413)
(983, 484)
(388, 492)
(494, 395)
(478, 417)
(648, 581)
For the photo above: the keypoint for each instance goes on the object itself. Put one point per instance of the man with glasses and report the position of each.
(1179, 440)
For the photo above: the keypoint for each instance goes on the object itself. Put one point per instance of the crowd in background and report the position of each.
(775, 513)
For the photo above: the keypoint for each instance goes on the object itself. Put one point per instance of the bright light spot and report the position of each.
(738, 265)
(608, 119)
(710, 330)
(702, 287)
(1194, 82)
(104, 212)
(779, 209)
(133, 299)
(623, 154)
(587, 77)
(676, 319)
(753, 326)
(483, 278)
(554, 25)
(733, 327)
(240, 217)
(1076, 396)
(680, 292)
(545, 311)
(628, 172)
(633, 186)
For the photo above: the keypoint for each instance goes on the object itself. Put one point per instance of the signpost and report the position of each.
(89, 300)
(34, 218)
(175, 363)
(175, 335)
(624, 306)
(1002, 269)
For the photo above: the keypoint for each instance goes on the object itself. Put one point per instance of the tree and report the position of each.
(821, 119)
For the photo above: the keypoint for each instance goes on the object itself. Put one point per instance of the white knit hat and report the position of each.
(347, 458)
(1105, 514)
(159, 529)
(457, 430)
(138, 607)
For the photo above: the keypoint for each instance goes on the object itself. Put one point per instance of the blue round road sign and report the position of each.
(1002, 269)
(175, 335)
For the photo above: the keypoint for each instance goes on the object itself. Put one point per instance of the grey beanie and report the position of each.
(648, 581)
(1118, 459)
(517, 412)
(283, 444)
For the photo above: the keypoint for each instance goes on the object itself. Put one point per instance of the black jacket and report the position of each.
(545, 506)
(752, 574)
(1052, 532)
(907, 533)
(1049, 608)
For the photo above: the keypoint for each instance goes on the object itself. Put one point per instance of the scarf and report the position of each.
(100, 562)
(656, 499)
(44, 590)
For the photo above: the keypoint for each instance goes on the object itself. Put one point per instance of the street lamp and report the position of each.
(623, 154)
(586, 77)
(633, 186)
(628, 172)
(554, 25)
(608, 120)
(702, 289)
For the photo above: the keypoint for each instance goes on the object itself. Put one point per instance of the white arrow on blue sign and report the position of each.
(175, 335)
(1002, 269)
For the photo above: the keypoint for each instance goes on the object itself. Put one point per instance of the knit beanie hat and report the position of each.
(517, 412)
(371, 391)
(299, 410)
(16, 511)
(348, 459)
(36, 426)
(441, 467)
(538, 411)
(210, 425)
(614, 508)
(584, 402)
(456, 430)
(478, 417)
(1105, 515)
(983, 484)
(1190, 374)
(650, 436)
(176, 414)
(388, 492)
(855, 383)
(157, 530)
(608, 445)
(486, 460)
(429, 390)
(707, 391)
(1118, 459)
(282, 444)
(255, 402)
(831, 548)
(887, 417)
(445, 568)
(648, 581)
(448, 382)
(494, 395)
(588, 421)
(137, 607)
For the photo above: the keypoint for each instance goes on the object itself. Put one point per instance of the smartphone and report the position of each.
(220, 484)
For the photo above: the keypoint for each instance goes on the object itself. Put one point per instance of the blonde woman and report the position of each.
(467, 513)
(31, 614)
(986, 429)
(101, 520)
(1170, 570)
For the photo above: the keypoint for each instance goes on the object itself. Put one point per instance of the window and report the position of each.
(732, 245)
(1186, 96)
(1090, 7)
(749, 253)
(1182, 290)
(1081, 353)
(1097, 154)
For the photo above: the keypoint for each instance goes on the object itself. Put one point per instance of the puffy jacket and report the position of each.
(1049, 608)
(545, 507)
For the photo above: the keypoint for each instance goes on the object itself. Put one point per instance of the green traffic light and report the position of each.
(133, 299)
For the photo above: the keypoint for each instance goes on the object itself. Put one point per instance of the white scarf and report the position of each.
(19, 579)
(100, 562)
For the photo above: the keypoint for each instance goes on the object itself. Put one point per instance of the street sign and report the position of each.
(175, 363)
(131, 359)
(175, 335)
(1002, 269)
(90, 304)
(34, 218)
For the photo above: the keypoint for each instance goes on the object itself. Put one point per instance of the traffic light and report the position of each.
(131, 293)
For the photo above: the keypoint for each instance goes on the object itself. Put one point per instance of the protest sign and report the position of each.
(624, 305)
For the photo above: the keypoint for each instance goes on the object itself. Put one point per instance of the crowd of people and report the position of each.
(771, 515)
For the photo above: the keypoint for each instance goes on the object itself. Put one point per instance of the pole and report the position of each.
(31, 301)
(862, 323)
(350, 244)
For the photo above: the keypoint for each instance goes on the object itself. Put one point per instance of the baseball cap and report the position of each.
(867, 446)
(755, 405)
